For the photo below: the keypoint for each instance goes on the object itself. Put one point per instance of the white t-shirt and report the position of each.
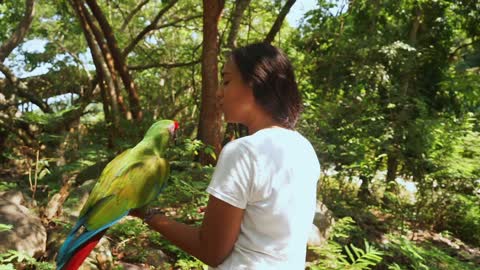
(273, 175)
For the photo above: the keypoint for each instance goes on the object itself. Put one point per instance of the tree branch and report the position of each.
(75, 58)
(164, 65)
(147, 29)
(173, 23)
(132, 13)
(22, 90)
(452, 54)
(19, 34)
(278, 22)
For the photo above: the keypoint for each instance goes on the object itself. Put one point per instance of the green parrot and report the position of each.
(131, 180)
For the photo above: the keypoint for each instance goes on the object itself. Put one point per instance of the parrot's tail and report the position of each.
(80, 242)
(74, 262)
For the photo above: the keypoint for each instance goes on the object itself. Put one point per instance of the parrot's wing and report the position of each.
(105, 180)
(135, 187)
(138, 185)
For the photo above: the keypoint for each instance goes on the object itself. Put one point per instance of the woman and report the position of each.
(263, 191)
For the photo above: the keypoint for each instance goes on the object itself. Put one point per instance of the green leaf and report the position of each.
(5, 227)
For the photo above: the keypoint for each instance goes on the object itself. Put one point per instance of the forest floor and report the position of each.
(131, 244)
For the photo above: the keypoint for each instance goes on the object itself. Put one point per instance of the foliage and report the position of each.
(463, 218)
(4, 186)
(333, 256)
(404, 254)
(11, 258)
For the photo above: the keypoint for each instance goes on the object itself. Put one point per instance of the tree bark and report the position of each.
(209, 127)
(278, 22)
(119, 61)
(20, 33)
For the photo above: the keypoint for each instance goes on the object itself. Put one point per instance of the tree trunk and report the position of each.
(107, 86)
(364, 193)
(209, 127)
(235, 130)
(392, 166)
(111, 119)
(240, 7)
(118, 60)
(108, 67)
(278, 22)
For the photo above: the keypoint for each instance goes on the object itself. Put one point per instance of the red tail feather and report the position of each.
(82, 253)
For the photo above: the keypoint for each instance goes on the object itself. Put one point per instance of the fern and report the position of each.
(399, 245)
(363, 259)
(332, 257)
(394, 266)
(10, 258)
(15, 256)
(343, 228)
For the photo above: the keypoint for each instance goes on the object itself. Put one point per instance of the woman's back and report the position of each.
(272, 174)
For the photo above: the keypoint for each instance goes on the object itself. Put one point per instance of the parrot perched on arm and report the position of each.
(131, 180)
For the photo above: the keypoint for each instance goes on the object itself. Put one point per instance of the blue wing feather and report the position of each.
(74, 241)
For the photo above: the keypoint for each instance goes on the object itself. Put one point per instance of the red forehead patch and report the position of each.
(176, 125)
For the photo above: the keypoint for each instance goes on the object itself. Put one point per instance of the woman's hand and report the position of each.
(138, 212)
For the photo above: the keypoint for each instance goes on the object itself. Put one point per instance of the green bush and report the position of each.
(463, 218)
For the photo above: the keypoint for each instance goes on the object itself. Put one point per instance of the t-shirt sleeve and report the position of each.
(233, 175)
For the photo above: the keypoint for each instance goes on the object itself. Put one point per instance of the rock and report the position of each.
(156, 257)
(56, 234)
(91, 172)
(53, 206)
(149, 256)
(27, 235)
(100, 258)
(102, 254)
(322, 224)
(77, 198)
(13, 196)
(130, 266)
(315, 238)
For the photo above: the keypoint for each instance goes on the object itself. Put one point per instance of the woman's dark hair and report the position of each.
(267, 70)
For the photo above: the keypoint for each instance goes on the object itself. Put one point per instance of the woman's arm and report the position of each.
(213, 241)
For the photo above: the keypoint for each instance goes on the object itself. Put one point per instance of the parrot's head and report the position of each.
(161, 132)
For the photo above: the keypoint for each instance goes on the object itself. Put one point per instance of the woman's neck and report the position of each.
(260, 120)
